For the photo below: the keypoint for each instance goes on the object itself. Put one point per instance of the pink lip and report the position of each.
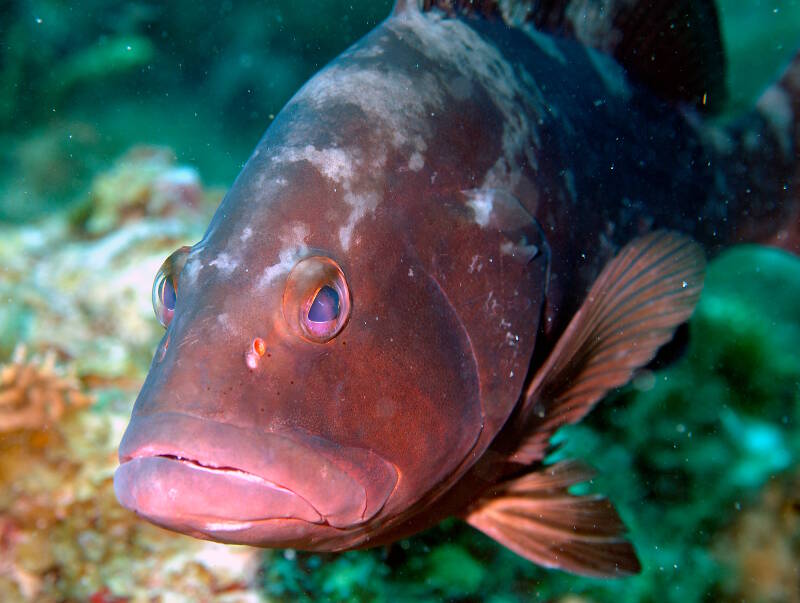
(191, 473)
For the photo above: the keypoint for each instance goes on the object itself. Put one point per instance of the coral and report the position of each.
(64, 537)
(33, 394)
(86, 297)
(762, 547)
(144, 182)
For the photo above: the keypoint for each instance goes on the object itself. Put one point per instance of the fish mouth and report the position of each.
(196, 475)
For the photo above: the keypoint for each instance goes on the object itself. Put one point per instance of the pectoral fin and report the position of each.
(633, 308)
(536, 517)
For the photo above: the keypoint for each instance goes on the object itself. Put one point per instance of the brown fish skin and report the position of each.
(471, 181)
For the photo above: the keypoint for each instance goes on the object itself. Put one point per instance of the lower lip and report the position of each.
(173, 491)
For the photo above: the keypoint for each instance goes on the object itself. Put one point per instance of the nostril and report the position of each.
(255, 353)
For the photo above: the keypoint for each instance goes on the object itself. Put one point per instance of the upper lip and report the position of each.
(344, 486)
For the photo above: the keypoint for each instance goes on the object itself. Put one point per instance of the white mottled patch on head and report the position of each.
(545, 42)
(292, 250)
(360, 204)
(246, 234)
(610, 72)
(364, 52)
(191, 270)
(776, 107)
(193, 266)
(333, 163)
(393, 101)
(226, 322)
(225, 263)
(481, 202)
(416, 162)
(453, 43)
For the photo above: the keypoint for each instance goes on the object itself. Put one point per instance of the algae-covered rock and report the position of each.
(84, 293)
(144, 182)
(64, 537)
(763, 544)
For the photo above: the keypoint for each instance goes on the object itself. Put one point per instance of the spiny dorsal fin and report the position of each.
(632, 309)
(672, 46)
(536, 517)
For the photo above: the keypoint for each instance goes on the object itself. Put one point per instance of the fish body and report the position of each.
(388, 315)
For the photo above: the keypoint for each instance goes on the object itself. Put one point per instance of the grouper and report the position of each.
(457, 237)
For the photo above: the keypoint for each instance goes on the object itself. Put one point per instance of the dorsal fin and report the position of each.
(672, 46)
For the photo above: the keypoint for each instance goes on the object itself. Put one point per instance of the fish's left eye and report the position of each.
(165, 286)
(316, 302)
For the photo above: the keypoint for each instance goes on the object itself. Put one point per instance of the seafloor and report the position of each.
(701, 457)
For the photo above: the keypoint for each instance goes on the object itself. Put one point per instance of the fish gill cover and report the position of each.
(700, 457)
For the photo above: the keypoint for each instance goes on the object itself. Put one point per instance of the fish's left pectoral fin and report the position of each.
(536, 517)
(642, 295)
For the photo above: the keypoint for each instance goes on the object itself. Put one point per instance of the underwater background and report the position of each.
(122, 124)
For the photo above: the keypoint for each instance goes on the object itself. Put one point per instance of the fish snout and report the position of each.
(196, 475)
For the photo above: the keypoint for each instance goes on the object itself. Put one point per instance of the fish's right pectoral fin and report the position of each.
(536, 517)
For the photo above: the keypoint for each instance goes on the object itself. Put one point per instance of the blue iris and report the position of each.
(325, 306)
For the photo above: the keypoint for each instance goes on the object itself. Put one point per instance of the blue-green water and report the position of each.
(701, 457)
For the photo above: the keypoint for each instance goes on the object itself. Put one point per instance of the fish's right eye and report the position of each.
(165, 286)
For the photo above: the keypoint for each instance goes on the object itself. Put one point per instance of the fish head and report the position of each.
(352, 330)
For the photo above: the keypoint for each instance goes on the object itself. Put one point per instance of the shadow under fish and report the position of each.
(455, 239)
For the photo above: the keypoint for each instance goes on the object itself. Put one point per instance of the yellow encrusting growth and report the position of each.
(35, 393)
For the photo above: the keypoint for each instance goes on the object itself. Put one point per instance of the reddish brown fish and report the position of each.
(455, 239)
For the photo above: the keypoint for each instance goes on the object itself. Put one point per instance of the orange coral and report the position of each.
(33, 394)
(763, 546)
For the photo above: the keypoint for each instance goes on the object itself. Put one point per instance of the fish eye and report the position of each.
(316, 302)
(165, 286)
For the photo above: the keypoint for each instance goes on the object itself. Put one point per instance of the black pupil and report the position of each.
(325, 306)
(168, 294)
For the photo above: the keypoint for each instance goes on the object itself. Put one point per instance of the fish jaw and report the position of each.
(240, 485)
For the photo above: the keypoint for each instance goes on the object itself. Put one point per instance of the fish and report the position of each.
(456, 238)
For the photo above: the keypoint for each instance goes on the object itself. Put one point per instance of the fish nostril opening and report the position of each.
(255, 352)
